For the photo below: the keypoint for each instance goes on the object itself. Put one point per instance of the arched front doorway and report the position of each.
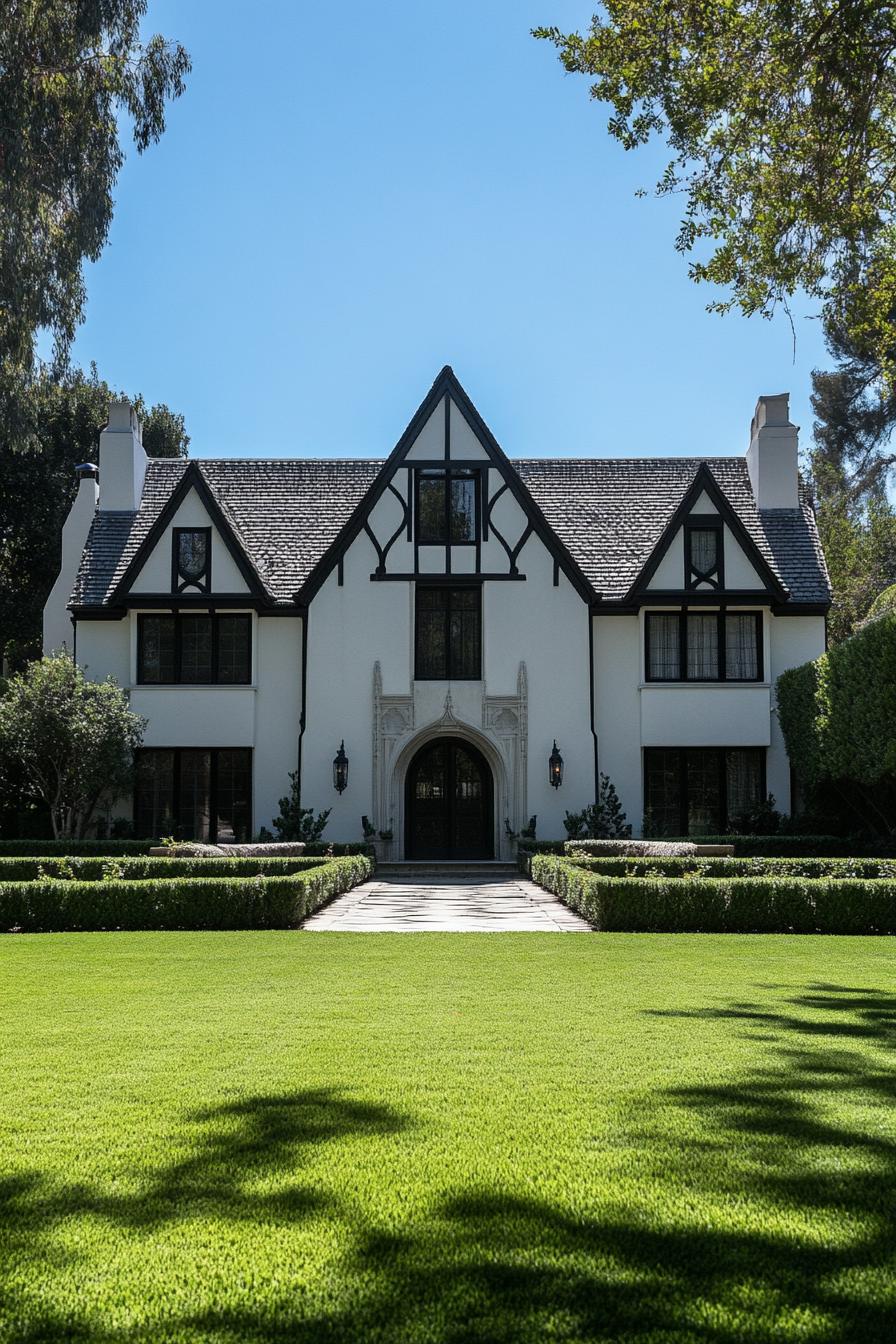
(449, 809)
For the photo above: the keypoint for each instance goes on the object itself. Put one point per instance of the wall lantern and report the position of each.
(340, 769)
(555, 768)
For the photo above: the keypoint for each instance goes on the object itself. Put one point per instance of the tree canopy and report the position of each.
(58, 425)
(72, 73)
(781, 121)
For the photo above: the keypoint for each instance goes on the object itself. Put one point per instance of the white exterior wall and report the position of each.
(155, 575)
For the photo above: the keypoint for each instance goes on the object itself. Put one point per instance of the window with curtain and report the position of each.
(663, 646)
(702, 646)
(703, 548)
(742, 646)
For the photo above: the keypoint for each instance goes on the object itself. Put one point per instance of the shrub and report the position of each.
(836, 869)
(296, 822)
(632, 847)
(605, 819)
(769, 904)
(178, 903)
(90, 869)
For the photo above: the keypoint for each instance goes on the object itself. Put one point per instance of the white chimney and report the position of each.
(122, 460)
(772, 455)
(57, 622)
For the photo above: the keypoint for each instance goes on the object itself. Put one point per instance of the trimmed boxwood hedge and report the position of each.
(119, 848)
(837, 869)
(91, 869)
(768, 904)
(178, 903)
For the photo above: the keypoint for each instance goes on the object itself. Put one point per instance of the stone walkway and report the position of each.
(430, 904)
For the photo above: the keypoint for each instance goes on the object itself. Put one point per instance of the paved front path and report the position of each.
(428, 904)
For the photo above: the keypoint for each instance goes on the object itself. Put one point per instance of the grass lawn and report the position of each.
(447, 1137)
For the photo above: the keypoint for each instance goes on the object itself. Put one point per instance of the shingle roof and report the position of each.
(609, 513)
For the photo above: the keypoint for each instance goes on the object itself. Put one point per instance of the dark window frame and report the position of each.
(178, 617)
(466, 473)
(177, 752)
(715, 578)
(722, 767)
(448, 589)
(179, 583)
(722, 647)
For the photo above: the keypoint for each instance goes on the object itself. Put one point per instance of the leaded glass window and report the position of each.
(448, 633)
(192, 559)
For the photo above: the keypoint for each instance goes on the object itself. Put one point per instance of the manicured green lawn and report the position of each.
(447, 1137)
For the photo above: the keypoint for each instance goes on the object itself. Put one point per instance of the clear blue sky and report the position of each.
(348, 197)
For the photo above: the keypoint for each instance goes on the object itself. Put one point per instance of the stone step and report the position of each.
(449, 869)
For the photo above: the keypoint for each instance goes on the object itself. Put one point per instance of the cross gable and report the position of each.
(704, 505)
(192, 505)
(446, 446)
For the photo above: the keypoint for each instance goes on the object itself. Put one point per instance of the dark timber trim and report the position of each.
(192, 479)
(705, 482)
(446, 386)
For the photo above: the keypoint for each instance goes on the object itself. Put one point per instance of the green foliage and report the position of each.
(884, 603)
(575, 824)
(57, 425)
(296, 822)
(838, 717)
(768, 904)
(75, 868)
(605, 819)
(69, 741)
(178, 903)
(71, 76)
(761, 819)
(697, 866)
(781, 122)
(528, 831)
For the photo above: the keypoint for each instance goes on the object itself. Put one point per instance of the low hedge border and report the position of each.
(178, 903)
(768, 904)
(837, 869)
(131, 869)
(43, 849)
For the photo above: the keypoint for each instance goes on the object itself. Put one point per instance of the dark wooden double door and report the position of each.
(449, 803)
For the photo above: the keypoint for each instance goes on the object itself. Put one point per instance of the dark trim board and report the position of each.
(192, 479)
(445, 386)
(705, 482)
(191, 602)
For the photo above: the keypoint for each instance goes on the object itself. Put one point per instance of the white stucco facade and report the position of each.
(339, 661)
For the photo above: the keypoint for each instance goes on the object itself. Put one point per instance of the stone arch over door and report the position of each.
(462, 733)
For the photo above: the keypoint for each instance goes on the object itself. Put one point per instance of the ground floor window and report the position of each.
(194, 793)
(700, 790)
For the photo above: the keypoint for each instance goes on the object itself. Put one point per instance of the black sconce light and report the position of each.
(555, 768)
(340, 769)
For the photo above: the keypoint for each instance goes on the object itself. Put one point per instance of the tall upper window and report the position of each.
(199, 650)
(192, 559)
(703, 646)
(447, 507)
(448, 641)
(703, 553)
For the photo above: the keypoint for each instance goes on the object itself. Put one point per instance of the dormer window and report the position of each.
(192, 559)
(447, 507)
(703, 553)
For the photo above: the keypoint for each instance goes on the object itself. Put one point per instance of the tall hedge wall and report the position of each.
(838, 717)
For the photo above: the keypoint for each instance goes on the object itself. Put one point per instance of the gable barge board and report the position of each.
(445, 386)
(705, 481)
(192, 479)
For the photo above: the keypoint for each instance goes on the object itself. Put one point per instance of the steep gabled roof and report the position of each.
(612, 513)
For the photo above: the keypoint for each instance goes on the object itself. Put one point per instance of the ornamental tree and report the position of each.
(67, 741)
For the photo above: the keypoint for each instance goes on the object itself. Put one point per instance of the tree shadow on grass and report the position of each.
(766, 1213)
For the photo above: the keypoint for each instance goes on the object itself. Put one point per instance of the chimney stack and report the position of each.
(772, 455)
(57, 622)
(122, 460)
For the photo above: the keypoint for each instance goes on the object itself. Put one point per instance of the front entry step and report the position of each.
(449, 869)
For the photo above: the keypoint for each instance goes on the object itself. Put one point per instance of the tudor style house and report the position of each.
(446, 641)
